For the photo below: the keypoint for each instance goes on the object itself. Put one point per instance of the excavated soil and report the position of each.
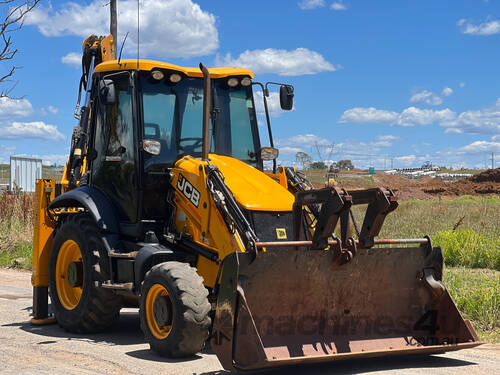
(487, 182)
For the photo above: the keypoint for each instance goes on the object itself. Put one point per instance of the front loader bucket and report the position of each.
(294, 305)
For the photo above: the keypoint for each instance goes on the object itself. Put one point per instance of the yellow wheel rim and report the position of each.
(68, 296)
(160, 332)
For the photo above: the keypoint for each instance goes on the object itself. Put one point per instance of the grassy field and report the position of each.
(467, 229)
(477, 295)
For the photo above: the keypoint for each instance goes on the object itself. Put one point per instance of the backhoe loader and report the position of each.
(165, 204)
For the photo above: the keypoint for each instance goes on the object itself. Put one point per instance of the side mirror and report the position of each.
(107, 91)
(286, 97)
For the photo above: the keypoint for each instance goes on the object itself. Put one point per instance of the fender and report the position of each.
(101, 209)
(147, 256)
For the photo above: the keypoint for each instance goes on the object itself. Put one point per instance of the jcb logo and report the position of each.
(188, 190)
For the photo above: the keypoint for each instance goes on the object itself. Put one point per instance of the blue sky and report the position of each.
(409, 81)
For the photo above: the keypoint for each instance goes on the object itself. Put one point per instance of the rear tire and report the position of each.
(174, 310)
(88, 307)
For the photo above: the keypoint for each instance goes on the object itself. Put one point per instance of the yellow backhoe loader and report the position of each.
(165, 204)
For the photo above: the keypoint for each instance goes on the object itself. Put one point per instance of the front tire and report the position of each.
(78, 265)
(174, 310)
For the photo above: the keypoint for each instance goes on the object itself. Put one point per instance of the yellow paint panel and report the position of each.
(252, 188)
(148, 65)
(42, 235)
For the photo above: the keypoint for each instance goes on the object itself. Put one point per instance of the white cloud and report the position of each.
(52, 109)
(287, 151)
(415, 116)
(303, 140)
(51, 159)
(406, 160)
(73, 59)
(481, 147)
(338, 6)
(298, 62)
(10, 108)
(482, 121)
(427, 97)
(34, 130)
(368, 115)
(176, 28)
(485, 120)
(273, 104)
(311, 4)
(462, 85)
(409, 117)
(5, 153)
(484, 28)
(496, 137)
(384, 141)
(362, 153)
(447, 91)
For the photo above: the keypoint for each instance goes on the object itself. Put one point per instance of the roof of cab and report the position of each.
(148, 65)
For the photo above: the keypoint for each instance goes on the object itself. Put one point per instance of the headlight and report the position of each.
(174, 78)
(246, 82)
(232, 82)
(157, 75)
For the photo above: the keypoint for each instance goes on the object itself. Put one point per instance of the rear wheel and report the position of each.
(78, 264)
(174, 310)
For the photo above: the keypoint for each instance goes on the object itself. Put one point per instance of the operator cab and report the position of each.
(145, 120)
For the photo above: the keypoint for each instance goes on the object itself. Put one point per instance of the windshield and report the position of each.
(173, 116)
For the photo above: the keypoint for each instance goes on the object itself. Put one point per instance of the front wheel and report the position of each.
(78, 265)
(174, 310)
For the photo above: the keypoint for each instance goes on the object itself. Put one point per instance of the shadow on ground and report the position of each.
(361, 366)
(126, 331)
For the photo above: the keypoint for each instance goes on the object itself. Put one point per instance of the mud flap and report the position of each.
(293, 306)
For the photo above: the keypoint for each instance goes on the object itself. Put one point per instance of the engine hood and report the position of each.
(253, 189)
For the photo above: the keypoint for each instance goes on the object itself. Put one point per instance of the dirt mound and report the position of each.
(490, 175)
(487, 182)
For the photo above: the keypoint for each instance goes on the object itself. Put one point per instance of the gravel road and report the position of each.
(27, 349)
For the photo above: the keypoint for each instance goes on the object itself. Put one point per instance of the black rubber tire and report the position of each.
(98, 308)
(191, 320)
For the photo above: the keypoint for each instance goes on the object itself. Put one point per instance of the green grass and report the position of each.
(16, 228)
(318, 178)
(475, 242)
(464, 247)
(417, 218)
(476, 293)
(22, 253)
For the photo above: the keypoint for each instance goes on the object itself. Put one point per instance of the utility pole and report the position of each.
(113, 24)
(492, 160)
(392, 163)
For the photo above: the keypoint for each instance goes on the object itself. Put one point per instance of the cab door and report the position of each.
(114, 168)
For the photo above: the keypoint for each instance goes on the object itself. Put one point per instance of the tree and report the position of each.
(345, 165)
(303, 159)
(13, 15)
(318, 165)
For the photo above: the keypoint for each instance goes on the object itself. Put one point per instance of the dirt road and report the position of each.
(26, 349)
